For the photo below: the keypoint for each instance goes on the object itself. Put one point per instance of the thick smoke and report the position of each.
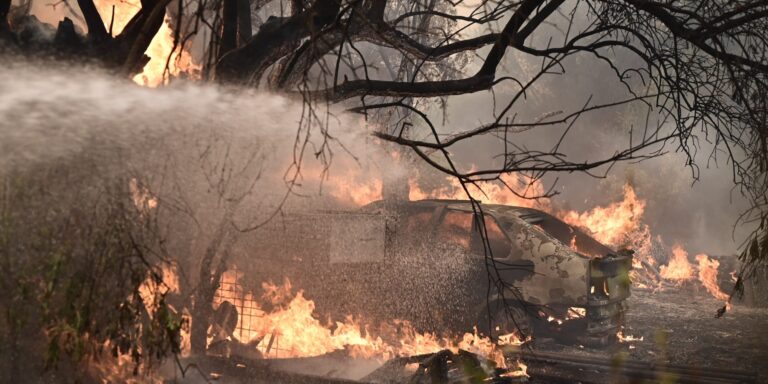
(49, 114)
(699, 214)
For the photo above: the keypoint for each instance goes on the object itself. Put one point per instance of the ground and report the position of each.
(677, 326)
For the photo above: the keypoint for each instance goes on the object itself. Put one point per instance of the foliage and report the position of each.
(75, 252)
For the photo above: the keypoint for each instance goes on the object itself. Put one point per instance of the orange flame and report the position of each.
(159, 49)
(679, 268)
(708, 276)
(292, 329)
(612, 224)
(489, 192)
(627, 338)
(358, 192)
(119, 369)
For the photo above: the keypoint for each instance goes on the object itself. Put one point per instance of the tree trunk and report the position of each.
(244, 29)
(5, 29)
(206, 289)
(229, 29)
(96, 30)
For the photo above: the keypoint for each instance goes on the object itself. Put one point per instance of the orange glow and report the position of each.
(292, 329)
(489, 192)
(159, 48)
(627, 338)
(151, 289)
(679, 268)
(612, 224)
(142, 198)
(356, 187)
(708, 276)
(349, 188)
(119, 369)
(619, 225)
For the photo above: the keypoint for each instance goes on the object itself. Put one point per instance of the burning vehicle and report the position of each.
(426, 262)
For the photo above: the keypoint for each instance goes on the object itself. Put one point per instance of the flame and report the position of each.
(627, 338)
(119, 369)
(143, 200)
(679, 268)
(708, 276)
(620, 225)
(159, 49)
(553, 319)
(151, 289)
(348, 187)
(613, 224)
(292, 329)
(357, 187)
(575, 313)
(489, 192)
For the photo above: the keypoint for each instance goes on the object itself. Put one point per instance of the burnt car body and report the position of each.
(426, 262)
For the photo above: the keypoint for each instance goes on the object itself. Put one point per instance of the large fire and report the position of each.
(618, 224)
(679, 268)
(360, 190)
(489, 192)
(708, 276)
(292, 329)
(613, 224)
(118, 13)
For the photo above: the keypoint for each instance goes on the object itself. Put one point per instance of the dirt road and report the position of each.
(679, 327)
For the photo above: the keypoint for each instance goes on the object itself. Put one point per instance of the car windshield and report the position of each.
(566, 234)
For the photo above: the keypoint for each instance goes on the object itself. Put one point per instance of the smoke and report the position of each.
(47, 115)
(698, 213)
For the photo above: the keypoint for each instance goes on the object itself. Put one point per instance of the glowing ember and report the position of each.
(575, 313)
(521, 371)
(159, 49)
(553, 319)
(142, 198)
(679, 268)
(627, 338)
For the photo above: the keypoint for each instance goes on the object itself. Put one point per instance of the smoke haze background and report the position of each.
(57, 109)
(699, 214)
(49, 113)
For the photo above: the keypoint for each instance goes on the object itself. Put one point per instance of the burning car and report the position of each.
(426, 262)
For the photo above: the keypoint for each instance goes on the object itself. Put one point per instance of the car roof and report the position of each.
(465, 205)
(529, 215)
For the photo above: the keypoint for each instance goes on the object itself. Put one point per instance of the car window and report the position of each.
(455, 228)
(566, 234)
(418, 221)
(500, 244)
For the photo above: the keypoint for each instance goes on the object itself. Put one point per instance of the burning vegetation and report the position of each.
(258, 190)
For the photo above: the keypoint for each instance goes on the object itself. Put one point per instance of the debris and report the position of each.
(444, 367)
(560, 368)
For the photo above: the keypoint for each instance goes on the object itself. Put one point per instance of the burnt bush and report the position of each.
(75, 248)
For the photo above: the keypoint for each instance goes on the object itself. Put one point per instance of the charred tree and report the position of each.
(124, 51)
(229, 29)
(244, 28)
(275, 39)
(5, 29)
